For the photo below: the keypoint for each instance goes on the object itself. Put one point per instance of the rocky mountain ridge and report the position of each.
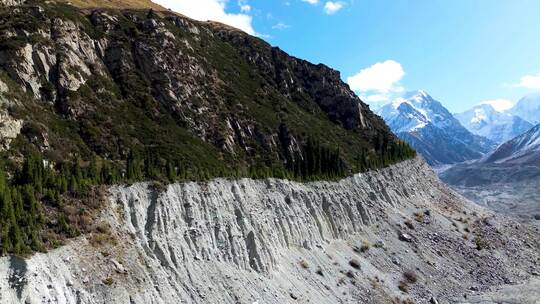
(100, 99)
(432, 130)
(516, 160)
(105, 96)
(528, 108)
(222, 90)
(522, 149)
(497, 126)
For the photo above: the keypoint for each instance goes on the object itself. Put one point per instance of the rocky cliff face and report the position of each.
(271, 241)
(132, 79)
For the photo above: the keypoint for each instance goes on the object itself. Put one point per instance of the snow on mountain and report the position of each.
(523, 149)
(514, 165)
(528, 108)
(498, 126)
(432, 130)
(416, 110)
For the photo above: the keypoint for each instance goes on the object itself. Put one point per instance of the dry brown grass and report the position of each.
(403, 286)
(102, 236)
(419, 217)
(108, 281)
(121, 4)
(410, 276)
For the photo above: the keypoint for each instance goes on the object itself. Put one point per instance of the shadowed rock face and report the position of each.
(276, 241)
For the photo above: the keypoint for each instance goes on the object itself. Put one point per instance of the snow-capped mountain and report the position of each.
(497, 126)
(528, 108)
(524, 149)
(432, 130)
(515, 164)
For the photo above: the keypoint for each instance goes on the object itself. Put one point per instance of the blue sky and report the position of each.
(462, 52)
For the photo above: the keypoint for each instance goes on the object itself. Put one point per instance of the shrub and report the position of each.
(108, 281)
(403, 286)
(410, 276)
(419, 217)
(103, 228)
(481, 243)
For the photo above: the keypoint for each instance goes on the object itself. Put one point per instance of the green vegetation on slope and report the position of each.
(121, 125)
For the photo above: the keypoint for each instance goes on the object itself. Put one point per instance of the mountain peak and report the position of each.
(418, 106)
(528, 108)
(484, 120)
(429, 127)
(417, 99)
(418, 94)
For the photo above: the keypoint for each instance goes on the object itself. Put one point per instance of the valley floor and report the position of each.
(520, 293)
(521, 199)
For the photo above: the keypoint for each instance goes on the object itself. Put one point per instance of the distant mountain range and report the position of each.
(446, 139)
(490, 156)
(506, 180)
(524, 149)
(517, 160)
(501, 126)
(432, 130)
(497, 126)
(528, 108)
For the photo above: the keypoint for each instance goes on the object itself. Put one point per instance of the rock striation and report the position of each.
(276, 241)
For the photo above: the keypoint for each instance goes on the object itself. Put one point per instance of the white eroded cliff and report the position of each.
(268, 241)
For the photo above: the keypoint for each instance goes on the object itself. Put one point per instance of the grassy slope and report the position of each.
(115, 124)
(121, 4)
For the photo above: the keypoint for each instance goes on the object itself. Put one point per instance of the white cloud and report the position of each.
(210, 10)
(499, 105)
(280, 26)
(376, 98)
(245, 8)
(333, 7)
(376, 101)
(312, 2)
(380, 78)
(529, 82)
